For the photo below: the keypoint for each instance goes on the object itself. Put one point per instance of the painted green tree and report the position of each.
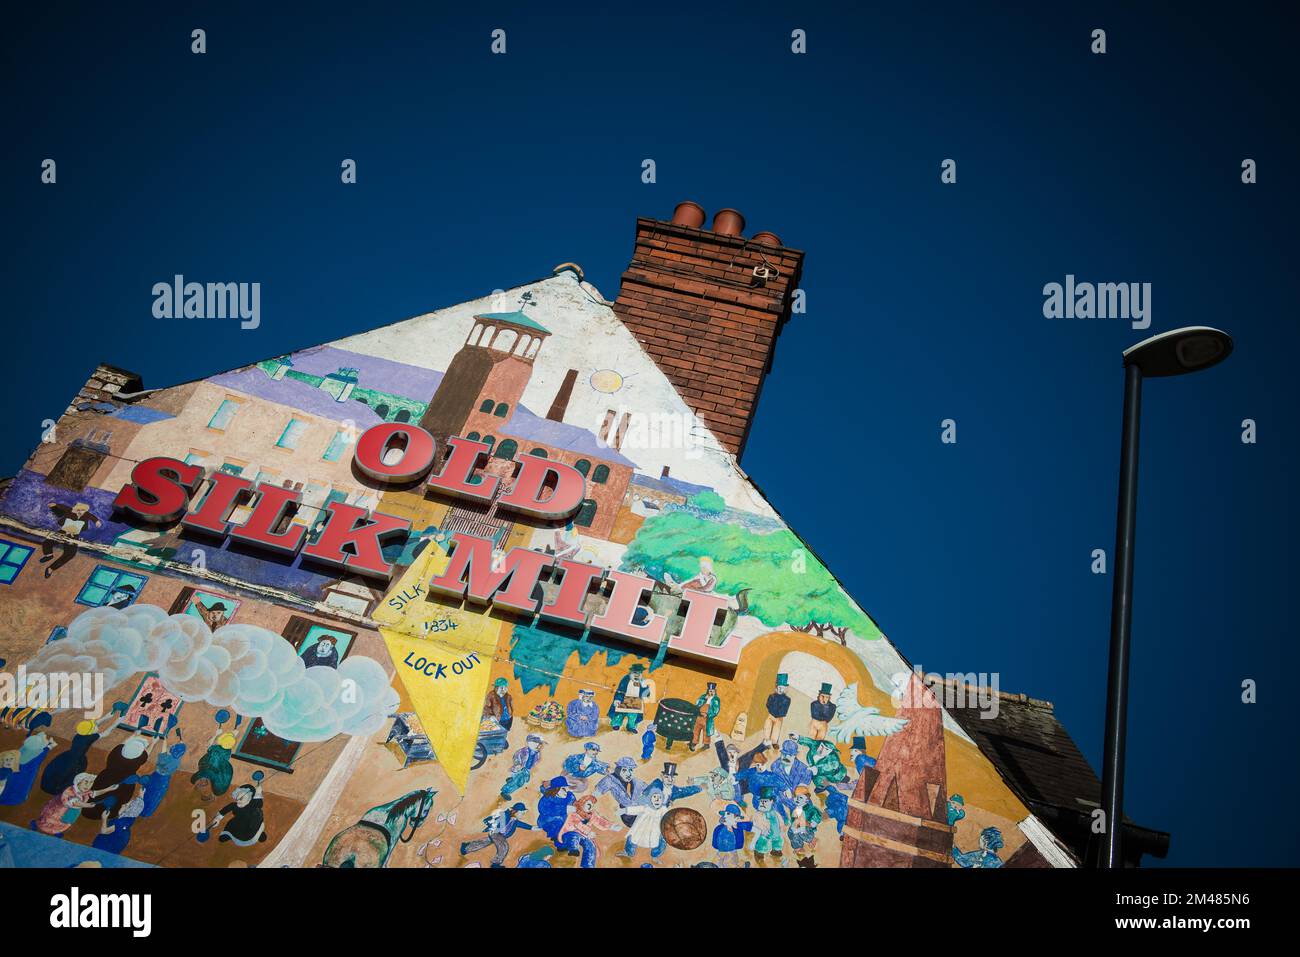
(786, 584)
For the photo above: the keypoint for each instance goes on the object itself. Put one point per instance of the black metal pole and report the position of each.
(1121, 618)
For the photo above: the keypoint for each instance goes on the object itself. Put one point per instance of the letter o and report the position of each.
(416, 459)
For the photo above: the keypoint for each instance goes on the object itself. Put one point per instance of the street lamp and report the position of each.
(1190, 349)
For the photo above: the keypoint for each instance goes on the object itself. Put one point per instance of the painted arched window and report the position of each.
(501, 410)
(601, 475)
(486, 406)
(474, 334)
(473, 436)
(490, 440)
(381, 410)
(540, 453)
(505, 340)
(583, 466)
(507, 449)
(403, 415)
(586, 514)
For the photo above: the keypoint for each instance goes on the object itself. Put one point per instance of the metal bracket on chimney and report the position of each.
(763, 273)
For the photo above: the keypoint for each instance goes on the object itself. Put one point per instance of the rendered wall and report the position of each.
(414, 758)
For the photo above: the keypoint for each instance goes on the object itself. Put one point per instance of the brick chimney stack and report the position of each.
(708, 304)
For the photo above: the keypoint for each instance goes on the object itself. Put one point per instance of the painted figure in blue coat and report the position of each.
(667, 782)
(587, 763)
(115, 832)
(582, 717)
(858, 752)
(632, 690)
(157, 783)
(538, 858)
(985, 855)
(627, 790)
(792, 773)
(837, 806)
(778, 706)
(956, 808)
(499, 826)
(821, 712)
(553, 807)
(648, 739)
(729, 836)
(521, 769)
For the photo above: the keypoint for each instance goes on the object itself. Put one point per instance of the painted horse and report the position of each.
(370, 842)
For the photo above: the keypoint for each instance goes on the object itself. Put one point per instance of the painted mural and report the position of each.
(258, 711)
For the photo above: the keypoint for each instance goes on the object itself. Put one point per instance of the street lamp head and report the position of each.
(1179, 351)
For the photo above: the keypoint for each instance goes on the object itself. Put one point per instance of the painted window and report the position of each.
(292, 433)
(601, 475)
(586, 514)
(403, 415)
(583, 466)
(501, 410)
(12, 559)
(473, 436)
(108, 586)
(232, 468)
(507, 449)
(338, 445)
(486, 406)
(225, 412)
(540, 453)
(489, 441)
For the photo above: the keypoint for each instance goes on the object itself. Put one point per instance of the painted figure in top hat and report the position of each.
(707, 707)
(778, 706)
(630, 698)
(768, 838)
(858, 752)
(822, 711)
(668, 782)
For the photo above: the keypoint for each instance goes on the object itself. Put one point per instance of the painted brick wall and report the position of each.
(690, 296)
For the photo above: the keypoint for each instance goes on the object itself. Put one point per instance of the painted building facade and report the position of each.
(309, 717)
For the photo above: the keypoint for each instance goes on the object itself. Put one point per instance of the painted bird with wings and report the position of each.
(852, 719)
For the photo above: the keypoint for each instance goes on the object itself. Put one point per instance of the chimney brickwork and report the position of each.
(692, 298)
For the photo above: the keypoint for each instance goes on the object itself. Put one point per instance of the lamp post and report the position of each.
(1189, 349)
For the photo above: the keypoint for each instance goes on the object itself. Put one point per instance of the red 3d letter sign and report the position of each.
(352, 538)
(513, 582)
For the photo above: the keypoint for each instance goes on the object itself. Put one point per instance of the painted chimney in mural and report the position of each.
(561, 403)
(708, 305)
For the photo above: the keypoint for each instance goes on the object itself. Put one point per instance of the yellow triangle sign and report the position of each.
(444, 656)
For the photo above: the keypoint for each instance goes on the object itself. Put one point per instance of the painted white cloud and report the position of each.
(245, 668)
